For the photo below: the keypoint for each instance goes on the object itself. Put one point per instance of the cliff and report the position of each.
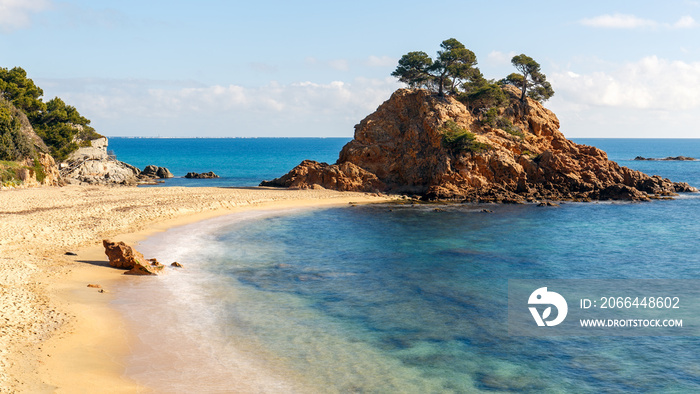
(91, 165)
(433, 146)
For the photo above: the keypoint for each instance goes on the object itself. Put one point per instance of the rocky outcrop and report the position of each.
(152, 171)
(674, 158)
(41, 171)
(404, 147)
(93, 166)
(201, 175)
(124, 256)
(344, 177)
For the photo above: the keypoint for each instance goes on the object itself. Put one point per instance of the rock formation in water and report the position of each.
(152, 171)
(674, 158)
(344, 176)
(420, 143)
(201, 175)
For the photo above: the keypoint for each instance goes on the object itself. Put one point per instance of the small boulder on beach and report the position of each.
(124, 256)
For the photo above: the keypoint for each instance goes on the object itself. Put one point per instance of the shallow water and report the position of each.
(386, 298)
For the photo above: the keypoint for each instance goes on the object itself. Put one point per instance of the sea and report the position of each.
(390, 298)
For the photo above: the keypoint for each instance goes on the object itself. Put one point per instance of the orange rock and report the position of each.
(399, 149)
(141, 268)
(121, 255)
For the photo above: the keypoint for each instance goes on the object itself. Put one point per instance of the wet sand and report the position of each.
(57, 334)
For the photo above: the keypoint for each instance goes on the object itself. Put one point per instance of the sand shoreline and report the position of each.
(58, 335)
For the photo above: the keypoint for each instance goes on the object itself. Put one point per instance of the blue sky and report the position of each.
(316, 68)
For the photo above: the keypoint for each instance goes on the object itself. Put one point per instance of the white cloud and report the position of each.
(626, 21)
(381, 61)
(15, 14)
(618, 21)
(650, 83)
(685, 22)
(297, 109)
(500, 58)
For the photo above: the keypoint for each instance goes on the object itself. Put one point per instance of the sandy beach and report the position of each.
(58, 334)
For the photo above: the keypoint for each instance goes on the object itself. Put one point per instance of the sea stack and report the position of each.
(421, 143)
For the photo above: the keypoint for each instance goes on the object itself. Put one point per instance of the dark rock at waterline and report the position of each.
(622, 192)
(674, 158)
(152, 171)
(202, 175)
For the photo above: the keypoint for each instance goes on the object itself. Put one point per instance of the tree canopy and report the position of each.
(454, 72)
(21, 91)
(454, 65)
(13, 144)
(414, 69)
(58, 124)
(530, 77)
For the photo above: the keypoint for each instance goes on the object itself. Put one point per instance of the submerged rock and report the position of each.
(402, 148)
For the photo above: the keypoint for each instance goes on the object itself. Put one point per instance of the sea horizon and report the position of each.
(245, 162)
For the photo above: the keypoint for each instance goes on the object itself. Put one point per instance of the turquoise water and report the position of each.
(386, 298)
(247, 161)
(238, 161)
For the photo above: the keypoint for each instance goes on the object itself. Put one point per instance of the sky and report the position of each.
(619, 69)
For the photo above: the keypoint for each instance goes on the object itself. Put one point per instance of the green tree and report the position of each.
(21, 91)
(480, 93)
(414, 69)
(60, 125)
(454, 65)
(14, 145)
(530, 77)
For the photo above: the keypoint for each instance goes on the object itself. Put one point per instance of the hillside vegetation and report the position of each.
(60, 126)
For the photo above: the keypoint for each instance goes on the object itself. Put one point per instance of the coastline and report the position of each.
(58, 334)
